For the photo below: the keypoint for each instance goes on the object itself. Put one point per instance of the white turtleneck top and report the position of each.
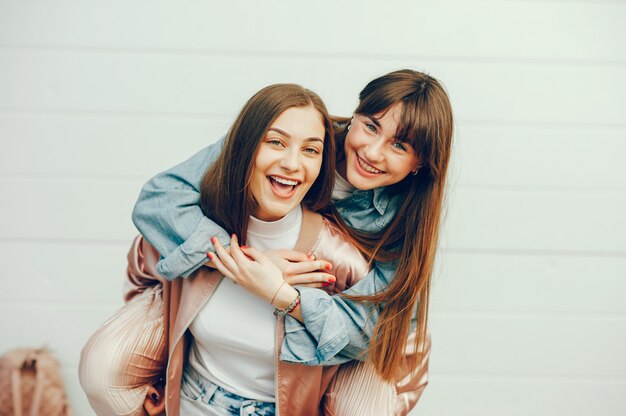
(234, 333)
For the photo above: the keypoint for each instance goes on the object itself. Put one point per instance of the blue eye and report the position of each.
(371, 127)
(400, 146)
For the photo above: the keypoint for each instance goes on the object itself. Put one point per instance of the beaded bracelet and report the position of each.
(290, 308)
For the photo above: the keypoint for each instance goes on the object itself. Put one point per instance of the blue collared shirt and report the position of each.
(335, 329)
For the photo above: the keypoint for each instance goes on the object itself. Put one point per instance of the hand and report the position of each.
(300, 269)
(248, 267)
(154, 404)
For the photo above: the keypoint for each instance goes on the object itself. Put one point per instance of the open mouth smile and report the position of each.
(283, 187)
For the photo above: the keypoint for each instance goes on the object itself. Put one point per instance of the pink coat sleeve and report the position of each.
(141, 272)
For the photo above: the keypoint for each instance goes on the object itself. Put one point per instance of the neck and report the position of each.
(342, 169)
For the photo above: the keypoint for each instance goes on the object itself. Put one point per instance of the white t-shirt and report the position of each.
(234, 333)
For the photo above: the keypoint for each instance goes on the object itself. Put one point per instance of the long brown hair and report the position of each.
(412, 237)
(225, 196)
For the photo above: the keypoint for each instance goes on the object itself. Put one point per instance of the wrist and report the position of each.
(284, 297)
(291, 308)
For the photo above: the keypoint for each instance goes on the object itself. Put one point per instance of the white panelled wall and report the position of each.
(528, 314)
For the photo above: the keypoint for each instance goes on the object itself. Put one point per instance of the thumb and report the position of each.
(254, 254)
(294, 255)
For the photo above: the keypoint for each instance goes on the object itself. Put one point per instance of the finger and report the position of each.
(308, 266)
(306, 278)
(294, 255)
(313, 285)
(255, 255)
(220, 266)
(237, 253)
(223, 255)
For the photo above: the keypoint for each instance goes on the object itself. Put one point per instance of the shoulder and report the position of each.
(333, 245)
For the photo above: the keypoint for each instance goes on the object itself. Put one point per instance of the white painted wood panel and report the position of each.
(77, 398)
(62, 273)
(536, 221)
(125, 147)
(550, 285)
(477, 219)
(528, 345)
(506, 156)
(466, 345)
(526, 156)
(75, 273)
(490, 395)
(528, 314)
(165, 84)
(87, 210)
(576, 31)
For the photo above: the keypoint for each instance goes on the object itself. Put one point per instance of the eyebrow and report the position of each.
(373, 120)
(287, 135)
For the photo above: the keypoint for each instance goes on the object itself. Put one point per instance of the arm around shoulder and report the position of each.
(169, 216)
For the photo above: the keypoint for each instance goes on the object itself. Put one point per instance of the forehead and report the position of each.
(391, 114)
(301, 120)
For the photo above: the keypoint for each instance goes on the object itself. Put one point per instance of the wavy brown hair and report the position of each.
(225, 196)
(412, 237)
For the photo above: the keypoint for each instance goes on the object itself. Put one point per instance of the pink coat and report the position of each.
(300, 389)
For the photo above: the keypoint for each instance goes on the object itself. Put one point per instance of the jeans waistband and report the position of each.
(198, 388)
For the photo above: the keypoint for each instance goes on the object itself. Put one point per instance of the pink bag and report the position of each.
(31, 384)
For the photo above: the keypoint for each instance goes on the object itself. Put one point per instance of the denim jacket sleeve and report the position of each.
(335, 329)
(169, 216)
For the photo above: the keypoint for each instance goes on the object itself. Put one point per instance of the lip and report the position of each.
(282, 195)
(362, 171)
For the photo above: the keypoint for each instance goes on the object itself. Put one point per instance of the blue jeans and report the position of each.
(199, 396)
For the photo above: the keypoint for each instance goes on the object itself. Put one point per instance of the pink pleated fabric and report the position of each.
(125, 356)
(357, 390)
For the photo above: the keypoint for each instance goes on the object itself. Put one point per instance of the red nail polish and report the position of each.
(244, 247)
(332, 279)
(325, 284)
(213, 240)
(328, 267)
(210, 255)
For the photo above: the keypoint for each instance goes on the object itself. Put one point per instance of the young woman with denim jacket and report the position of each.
(394, 152)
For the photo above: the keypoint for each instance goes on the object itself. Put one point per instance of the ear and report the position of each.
(154, 404)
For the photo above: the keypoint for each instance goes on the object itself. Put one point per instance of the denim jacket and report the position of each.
(336, 330)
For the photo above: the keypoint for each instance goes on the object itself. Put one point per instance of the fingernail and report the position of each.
(210, 255)
(325, 284)
(155, 397)
(244, 246)
(213, 240)
(332, 279)
(329, 266)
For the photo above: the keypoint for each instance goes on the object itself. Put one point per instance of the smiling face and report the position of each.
(374, 156)
(287, 162)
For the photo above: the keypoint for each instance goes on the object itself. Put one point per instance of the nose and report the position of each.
(374, 150)
(290, 161)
